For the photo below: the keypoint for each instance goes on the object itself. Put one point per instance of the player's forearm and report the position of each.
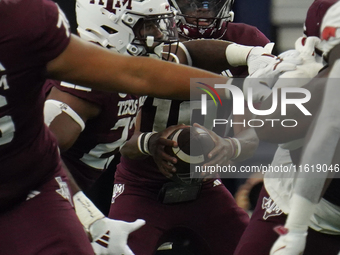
(130, 148)
(249, 143)
(322, 142)
(248, 140)
(169, 80)
(281, 134)
(208, 54)
(271, 130)
(90, 65)
(274, 131)
(73, 184)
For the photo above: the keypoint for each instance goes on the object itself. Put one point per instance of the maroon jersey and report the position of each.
(158, 114)
(28, 151)
(103, 136)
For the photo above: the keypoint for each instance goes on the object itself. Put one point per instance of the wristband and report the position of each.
(143, 142)
(237, 54)
(236, 147)
(86, 211)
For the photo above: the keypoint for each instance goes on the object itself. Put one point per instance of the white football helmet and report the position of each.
(132, 27)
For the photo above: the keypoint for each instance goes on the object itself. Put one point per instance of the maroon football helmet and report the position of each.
(203, 18)
(315, 15)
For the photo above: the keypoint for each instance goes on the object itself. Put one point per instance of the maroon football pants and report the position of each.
(259, 235)
(214, 217)
(46, 224)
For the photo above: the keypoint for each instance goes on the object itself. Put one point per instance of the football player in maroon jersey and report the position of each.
(214, 20)
(96, 145)
(98, 123)
(36, 44)
(141, 188)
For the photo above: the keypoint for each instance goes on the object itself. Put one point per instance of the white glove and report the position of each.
(292, 56)
(259, 91)
(309, 68)
(263, 79)
(306, 46)
(260, 57)
(290, 242)
(109, 237)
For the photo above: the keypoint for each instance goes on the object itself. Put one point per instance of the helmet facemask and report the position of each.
(202, 18)
(152, 32)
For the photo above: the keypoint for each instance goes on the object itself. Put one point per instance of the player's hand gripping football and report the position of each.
(219, 155)
(290, 242)
(110, 236)
(157, 143)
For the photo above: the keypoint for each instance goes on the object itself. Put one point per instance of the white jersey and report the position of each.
(326, 218)
(280, 186)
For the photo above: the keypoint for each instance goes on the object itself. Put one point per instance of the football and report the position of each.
(194, 145)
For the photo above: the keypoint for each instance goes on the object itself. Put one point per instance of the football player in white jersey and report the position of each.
(321, 151)
(279, 196)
